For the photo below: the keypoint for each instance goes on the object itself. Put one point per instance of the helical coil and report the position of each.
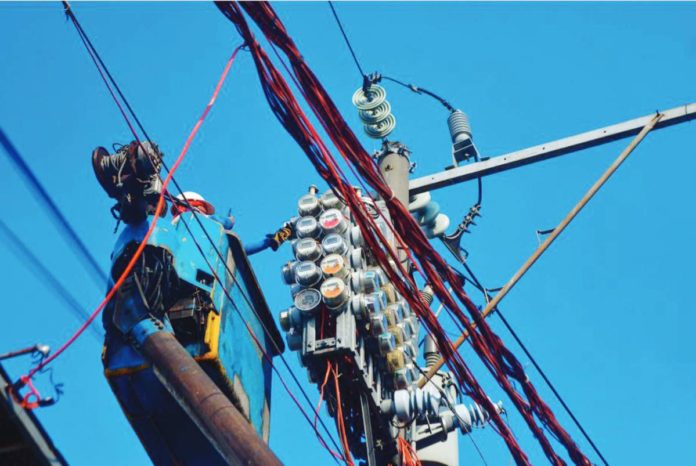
(374, 111)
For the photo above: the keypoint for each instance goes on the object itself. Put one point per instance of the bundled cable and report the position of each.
(488, 346)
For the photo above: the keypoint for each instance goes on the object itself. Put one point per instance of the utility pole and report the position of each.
(211, 410)
(395, 166)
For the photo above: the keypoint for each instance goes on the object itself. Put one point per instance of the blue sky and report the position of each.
(607, 311)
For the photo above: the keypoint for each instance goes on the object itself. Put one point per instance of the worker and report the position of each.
(183, 202)
(131, 177)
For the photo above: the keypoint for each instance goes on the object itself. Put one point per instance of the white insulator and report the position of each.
(373, 98)
(468, 417)
(419, 201)
(427, 213)
(375, 115)
(381, 129)
(374, 111)
(438, 227)
(426, 295)
(406, 404)
(459, 127)
(417, 402)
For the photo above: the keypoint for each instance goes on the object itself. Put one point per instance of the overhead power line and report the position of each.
(477, 284)
(550, 385)
(104, 72)
(28, 258)
(376, 77)
(73, 239)
(345, 37)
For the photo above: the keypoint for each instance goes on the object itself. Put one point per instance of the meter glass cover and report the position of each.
(307, 299)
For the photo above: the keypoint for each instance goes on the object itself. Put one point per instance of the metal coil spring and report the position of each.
(374, 111)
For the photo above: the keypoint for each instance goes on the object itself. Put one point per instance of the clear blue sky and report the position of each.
(607, 311)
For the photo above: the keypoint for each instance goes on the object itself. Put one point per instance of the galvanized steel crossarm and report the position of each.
(551, 149)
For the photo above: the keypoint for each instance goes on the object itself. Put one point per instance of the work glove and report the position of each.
(285, 232)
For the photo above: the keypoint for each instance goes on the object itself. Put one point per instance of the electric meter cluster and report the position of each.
(343, 301)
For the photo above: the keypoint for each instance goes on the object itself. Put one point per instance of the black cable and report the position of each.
(193, 211)
(551, 386)
(253, 308)
(376, 77)
(56, 214)
(69, 13)
(420, 90)
(22, 251)
(471, 437)
(345, 37)
(538, 368)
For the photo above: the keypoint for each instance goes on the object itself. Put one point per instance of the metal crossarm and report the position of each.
(545, 151)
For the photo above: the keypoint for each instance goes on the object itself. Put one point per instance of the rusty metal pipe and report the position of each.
(226, 428)
(491, 305)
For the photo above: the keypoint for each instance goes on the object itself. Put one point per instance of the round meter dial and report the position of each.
(307, 274)
(307, 249)
(334, 244)
(308, 300)
(309, 205)
(333, 221)
(334, 292)
(334, 265)
(307, 227)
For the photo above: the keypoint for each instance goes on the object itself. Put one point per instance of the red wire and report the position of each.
(143, 243)
(318, 408)
(407, 453)
(135, 135)
(341, 421)
(500, 362)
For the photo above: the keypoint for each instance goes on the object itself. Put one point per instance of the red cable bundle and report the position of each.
(488, 346)
(408, 455)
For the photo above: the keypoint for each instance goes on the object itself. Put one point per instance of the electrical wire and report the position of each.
(46, 277)
(340, 421)
(141, 246)
(345, 37)
(45, 199)
(498, 359)
(99, 63)
(480, 453)
(296, 121)
(263, 351)
(551, 386)
(417, 90)
(88, 43)
(376, 77)
(541, 372)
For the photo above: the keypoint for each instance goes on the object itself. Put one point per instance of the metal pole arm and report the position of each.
(491, 305)
(545, 151)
